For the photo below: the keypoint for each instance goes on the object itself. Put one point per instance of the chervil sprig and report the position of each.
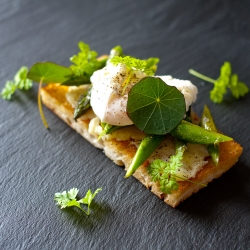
(226, 80)
(20, 81)
(85, 62)
(165, 172)
(237, 88)
(68, 199)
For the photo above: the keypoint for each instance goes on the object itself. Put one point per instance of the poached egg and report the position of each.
(108, 100)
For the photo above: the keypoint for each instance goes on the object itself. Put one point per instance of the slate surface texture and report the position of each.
(35, 163)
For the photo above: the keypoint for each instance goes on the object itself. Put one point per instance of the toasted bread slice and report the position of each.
(122, 152)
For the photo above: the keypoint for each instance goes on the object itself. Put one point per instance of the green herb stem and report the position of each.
(40, 106)
(197, 74)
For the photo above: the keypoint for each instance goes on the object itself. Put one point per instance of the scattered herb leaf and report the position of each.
(20, 82)
(237, 88)
(226, 80)
(68, 199)
(155, 107)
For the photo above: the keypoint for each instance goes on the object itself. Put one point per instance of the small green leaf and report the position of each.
(20, 81)
(8, 90)
(155, 107)
(89, 197)
(72, 193)
(49, 72)
(74, 203)
(226, 80)
(68, 199)
(237, 88)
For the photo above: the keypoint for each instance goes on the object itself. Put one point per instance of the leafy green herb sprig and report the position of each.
(68, 199)
(20, 82)
(165, 172)
(85, 62)
(226, 80)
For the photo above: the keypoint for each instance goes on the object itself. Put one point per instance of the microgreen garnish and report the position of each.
(155, 107)
(165, 172)
(68, 199)
(225, 80)
(85, 62)
(132, 64)
(20, 82)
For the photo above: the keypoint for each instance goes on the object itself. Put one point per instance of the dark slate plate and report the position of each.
(36, 163)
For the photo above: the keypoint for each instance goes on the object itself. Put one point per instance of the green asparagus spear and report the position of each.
(207, 122)
(108, 129)
(145, 149)
(117, 51)
(82, 105)
(192, 133)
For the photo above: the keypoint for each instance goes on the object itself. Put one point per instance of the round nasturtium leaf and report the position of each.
(49, 72)
(155, 107)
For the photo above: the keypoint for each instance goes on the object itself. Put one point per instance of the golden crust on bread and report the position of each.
(122, 152)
